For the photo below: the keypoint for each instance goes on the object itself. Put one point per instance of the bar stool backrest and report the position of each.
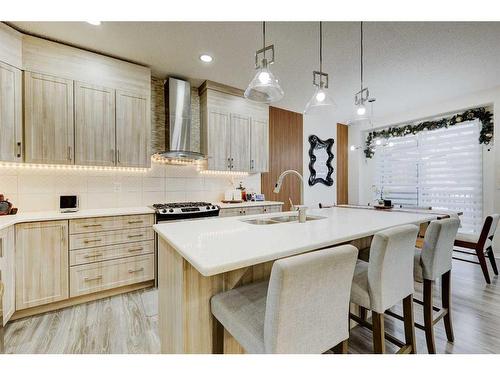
(307, 307)
(390, 270)
(494, 223)
(437, 251)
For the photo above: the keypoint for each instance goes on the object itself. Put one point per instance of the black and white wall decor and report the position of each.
(320, 161)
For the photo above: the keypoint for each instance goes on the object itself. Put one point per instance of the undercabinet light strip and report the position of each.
(72, 167)
(224, 173)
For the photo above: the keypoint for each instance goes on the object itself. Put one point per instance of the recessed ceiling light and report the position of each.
(206, 58)
(95, 23)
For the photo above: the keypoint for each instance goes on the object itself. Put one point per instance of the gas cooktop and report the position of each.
(185, 210)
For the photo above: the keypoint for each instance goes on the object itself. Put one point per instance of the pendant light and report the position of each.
(320, 102)
(264, 87)
(362, 96)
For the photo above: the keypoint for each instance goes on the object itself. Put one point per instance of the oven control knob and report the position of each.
(213, 207)
(171, 210)
(164, 211)
(208, 207)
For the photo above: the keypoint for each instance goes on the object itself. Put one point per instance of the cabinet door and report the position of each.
(10, 114)
(7, 272)
(259, 146)
(94, 125)
(41, 263)
(49, 128)
(240, 142)
(219, 149)
(132, 130)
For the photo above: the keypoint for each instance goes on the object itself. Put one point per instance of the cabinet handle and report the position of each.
(136, 249)
(1, 247)
(136, 222)
(19, 149)
(92, 225)
(87, 279)
(229, 163)
(69, 153)
(90, 241)
(137, 270)
(118, 156)
(135, 235)
(113, 156)
(93, 255)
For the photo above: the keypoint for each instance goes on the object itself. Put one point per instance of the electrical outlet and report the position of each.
(117, 187)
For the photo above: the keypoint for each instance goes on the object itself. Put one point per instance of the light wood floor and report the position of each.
(128, 323)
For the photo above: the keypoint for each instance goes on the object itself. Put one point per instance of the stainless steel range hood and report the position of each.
(179, 123)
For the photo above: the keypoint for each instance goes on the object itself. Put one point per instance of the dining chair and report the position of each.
(385, 280)
(482, 244)
(304, 308)
(431, 263)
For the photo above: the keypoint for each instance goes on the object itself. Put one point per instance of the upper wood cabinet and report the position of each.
(48, 111)
(218, 134)
(94, 125)
(234, 130)
(240, 142)
(41, 263)
(259, 146)
(133, 130)
(11, 136)
(7, 272)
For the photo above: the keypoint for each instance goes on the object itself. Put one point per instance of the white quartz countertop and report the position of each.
(223, 244)
(248, 204)
(26, 217)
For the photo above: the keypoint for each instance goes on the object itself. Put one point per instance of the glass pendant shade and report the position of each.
(361, 112)
(320, 102)
(264, 87)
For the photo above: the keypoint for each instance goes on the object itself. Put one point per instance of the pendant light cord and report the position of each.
(320, 47)
(361, 44)
(264, 37)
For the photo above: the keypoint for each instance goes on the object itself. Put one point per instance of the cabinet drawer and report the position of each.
(84, 256)
(99, 224)
(88, 240)
(268, 209)
(90, 278)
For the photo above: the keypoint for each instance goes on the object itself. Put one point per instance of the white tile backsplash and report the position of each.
(39, 189)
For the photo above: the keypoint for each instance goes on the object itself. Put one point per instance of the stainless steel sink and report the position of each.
(260, 221)
(280, 219)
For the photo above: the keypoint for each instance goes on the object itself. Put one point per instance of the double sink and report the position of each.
(279, 219)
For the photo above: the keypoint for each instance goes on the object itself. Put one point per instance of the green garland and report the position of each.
(485, 137)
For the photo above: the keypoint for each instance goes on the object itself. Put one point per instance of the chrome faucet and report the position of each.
(301, 208)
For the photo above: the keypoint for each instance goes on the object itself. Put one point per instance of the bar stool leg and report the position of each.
(362, 313)
(342, 347)
(428, 318)
(446, 303)
(378, 333)
(482, 263)
(409, 323)
(492, 259)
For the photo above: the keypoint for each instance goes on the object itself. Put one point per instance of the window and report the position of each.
(441, 169)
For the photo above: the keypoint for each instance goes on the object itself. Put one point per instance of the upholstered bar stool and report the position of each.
(431, 263)
(384, 281)
(304, 308)
(481, 244)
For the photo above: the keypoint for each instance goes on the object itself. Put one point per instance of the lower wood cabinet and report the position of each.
(41, 263)
(8, 272)
(255, 210)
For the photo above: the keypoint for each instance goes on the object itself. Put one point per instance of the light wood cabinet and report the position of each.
(48, 111)
(10, 114)
(8, 272)
(41, 263)
(132, 130)
(240, 142)
(255, 210)
(234, 130)
(259, 146)
(94, 125)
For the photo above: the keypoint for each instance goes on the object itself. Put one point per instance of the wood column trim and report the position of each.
(342, 164)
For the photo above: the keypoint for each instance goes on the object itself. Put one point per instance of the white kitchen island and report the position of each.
(198, 259)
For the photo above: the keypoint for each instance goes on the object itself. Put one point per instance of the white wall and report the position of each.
(39, 189)
(324, 126)
(361, 169)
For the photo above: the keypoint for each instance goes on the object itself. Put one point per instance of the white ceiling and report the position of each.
(407, 65)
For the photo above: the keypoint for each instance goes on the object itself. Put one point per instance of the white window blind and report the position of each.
(441, 169)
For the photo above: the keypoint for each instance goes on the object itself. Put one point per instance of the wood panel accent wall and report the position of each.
(342, 164)
(285, 152)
